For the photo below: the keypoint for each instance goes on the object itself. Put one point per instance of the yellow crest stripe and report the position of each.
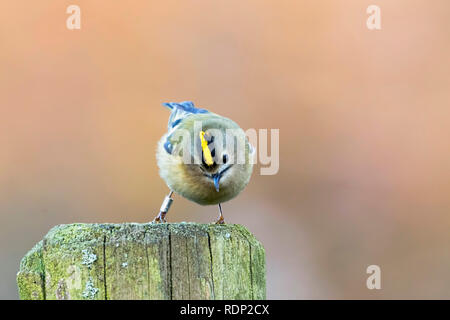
(206, 152)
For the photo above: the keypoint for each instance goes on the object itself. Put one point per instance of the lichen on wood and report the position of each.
(144, 261)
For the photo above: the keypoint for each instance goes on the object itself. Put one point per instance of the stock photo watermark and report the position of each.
(374, 280)
(226, 146)
(374, 20)
(73, 22)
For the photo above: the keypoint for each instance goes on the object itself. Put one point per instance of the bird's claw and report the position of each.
(221, 220)
(160, 218)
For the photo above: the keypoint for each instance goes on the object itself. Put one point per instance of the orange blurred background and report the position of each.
(364, 123)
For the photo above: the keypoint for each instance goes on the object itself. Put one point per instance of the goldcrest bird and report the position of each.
(203, 157)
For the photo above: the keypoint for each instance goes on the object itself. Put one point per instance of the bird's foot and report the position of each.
(221, 220)
(160, 218)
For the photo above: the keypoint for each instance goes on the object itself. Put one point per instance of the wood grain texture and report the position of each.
(144, 261)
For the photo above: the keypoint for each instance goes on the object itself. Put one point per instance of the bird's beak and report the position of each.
(216, 178)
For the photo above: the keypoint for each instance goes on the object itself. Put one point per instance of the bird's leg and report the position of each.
(220, 220)
(161, 217)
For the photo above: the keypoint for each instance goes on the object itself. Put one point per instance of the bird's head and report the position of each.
(209, 158)
(216, 162)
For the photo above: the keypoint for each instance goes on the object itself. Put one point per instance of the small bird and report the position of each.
(203, 157)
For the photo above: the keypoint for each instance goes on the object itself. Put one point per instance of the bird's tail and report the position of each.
(180, 111)
(168, 105)
(187, 106)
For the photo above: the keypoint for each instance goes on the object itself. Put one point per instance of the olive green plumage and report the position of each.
(187, 174)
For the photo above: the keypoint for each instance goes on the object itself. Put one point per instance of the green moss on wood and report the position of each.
(30, 279)
(74, 262)
(144, 261)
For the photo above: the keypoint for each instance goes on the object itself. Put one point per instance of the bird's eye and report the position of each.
(225, 158)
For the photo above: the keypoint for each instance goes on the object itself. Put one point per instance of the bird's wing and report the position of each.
(180, 111)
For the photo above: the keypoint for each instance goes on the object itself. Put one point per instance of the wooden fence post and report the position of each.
(144, 261)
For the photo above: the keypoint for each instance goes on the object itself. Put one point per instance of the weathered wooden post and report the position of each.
(144, 261)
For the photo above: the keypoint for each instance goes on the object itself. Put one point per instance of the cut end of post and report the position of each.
(144, 261)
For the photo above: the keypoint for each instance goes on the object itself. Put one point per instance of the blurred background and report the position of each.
(364, 119)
